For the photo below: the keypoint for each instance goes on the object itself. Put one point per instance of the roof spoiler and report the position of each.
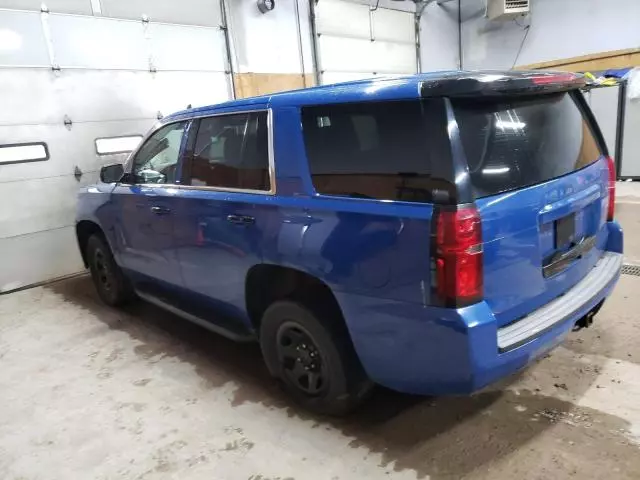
(500, 83)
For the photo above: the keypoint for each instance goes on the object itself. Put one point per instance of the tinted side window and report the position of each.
(232, 151)
(383, 150)
(157, 159)
(514, 143)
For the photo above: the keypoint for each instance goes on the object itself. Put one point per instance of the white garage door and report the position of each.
(355, 42)
(68, 79)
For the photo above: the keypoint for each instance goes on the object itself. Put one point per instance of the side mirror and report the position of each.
(112, 173)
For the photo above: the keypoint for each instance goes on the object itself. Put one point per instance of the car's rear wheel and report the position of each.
(310, 352)
(111, 284)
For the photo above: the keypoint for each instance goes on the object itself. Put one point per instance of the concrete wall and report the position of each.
(559, 29)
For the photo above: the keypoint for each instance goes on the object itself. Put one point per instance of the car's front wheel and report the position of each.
(310, 352)
(111, 284)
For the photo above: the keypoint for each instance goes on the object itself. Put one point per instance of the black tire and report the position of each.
(111, 284)
(325, 376)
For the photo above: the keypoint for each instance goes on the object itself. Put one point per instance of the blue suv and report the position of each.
(431, 233)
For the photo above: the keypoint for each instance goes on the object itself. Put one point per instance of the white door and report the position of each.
(353, 41)
(96, 71)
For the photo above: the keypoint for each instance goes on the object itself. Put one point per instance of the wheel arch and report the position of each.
(267, 283)
(84, 230)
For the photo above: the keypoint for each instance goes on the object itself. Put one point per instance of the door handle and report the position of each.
(158, 210)
(240, 219)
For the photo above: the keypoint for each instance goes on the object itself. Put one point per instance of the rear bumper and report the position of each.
(428, 350)
(524, 330)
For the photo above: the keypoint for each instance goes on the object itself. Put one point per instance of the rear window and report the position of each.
(516, 143)
(379, 150)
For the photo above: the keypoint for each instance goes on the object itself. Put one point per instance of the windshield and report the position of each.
(515, 143)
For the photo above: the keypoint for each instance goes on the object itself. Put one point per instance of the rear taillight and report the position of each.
(554, 78)
(611, 165)
(458, 256)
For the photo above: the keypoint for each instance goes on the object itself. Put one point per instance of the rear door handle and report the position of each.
(158, 210)
(240, 219)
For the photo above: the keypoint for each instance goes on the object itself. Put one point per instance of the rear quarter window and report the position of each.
(379, 150)
(511, 144)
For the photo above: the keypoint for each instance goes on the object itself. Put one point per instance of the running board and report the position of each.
(225, 332)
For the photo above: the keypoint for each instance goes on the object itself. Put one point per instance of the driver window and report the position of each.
(157, 160)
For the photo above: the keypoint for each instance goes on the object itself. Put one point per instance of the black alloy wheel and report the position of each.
(104, 274)
(300, 359)
(306, 345)
(112, 285)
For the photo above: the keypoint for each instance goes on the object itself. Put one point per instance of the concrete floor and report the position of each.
(88, 392)
(627, 213)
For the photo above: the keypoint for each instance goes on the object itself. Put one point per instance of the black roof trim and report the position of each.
(490, 84)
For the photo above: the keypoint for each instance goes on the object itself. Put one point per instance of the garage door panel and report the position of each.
(22, 41)
(399, 57)
(93, 42)
(356, 42)
(173, 91)
(83, 95)
(50, 254)
(337, 77)
(392, 25)
(334, 55)
(190, 12)
(80, 7)
(94, 95)
(342, 18)
(67, 149)
(365, 56)
(115, 76)
(43, 204)
(178, 47)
